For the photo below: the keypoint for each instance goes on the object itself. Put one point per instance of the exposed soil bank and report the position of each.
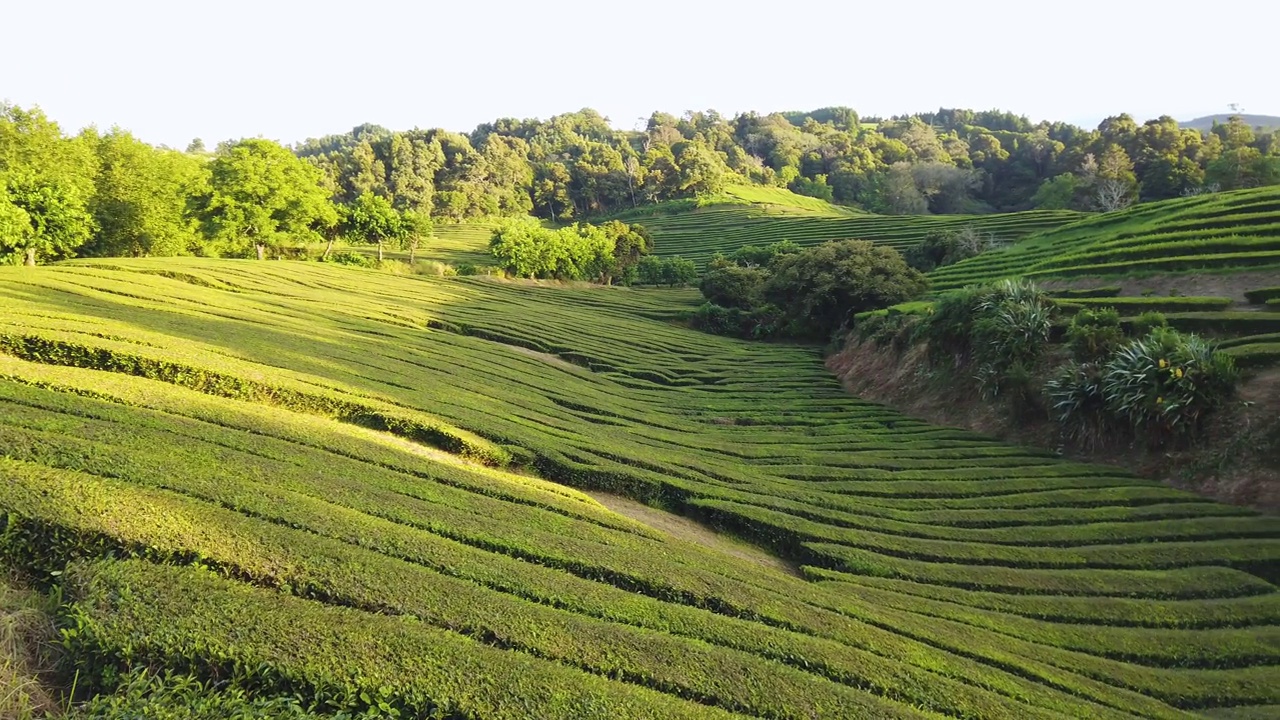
(1232, 285)
(692, 531)
(1237, 461)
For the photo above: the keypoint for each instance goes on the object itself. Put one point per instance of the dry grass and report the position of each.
(26, 632)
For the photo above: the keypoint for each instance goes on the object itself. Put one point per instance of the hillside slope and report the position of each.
(1232, 230)
(285, 425)
(1205, 123)
(759, 216)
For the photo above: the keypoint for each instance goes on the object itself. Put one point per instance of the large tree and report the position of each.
(371, 219)
(141, 204)
(261, 195)
(46, 181)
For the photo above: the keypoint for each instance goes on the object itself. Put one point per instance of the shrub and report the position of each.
(435, 268)
(1001, 330)
(761, 255)
(733, 286)
(1077, 403)
(947, 247)
(671, 271)
(1015, 319)
(1094, 334)
(1163, 385)
(949, 331)
(1148, 321)
(350, 257)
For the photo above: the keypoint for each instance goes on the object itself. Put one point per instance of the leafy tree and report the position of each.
(47, 180)
(416, 226)
(1057, 193)
(678, 272)
(519, 247)
(734, 286)
(821, 288)
(894, 192)
(260, 195)
(371, 219)
(141, 203)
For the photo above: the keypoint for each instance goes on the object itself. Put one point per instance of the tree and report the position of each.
(678, 272)
(371, 219)
(1112, 195)
(140, 206)
(46, 180)
(260, 194)
(416, 226)
(733, 286)
(515, 245)
(701, 173)
(894, 192)
(630, 243)
(821, 288)
(1057, 193)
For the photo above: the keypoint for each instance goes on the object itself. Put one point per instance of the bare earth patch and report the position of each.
(1231, 285)
(545, 357)
(1237, 460)
(692, 531)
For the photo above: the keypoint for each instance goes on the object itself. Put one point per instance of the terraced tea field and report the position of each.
(1232, 231)
(1234, 234)
(372, 490)
(759, 216)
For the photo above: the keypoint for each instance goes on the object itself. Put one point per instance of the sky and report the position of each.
(172, 71)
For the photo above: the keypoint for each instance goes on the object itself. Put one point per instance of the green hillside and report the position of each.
(1265, 122)
(368, 490)
(759, 216)
(1233, 230)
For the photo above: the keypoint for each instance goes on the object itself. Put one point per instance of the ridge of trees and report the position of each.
(111, 194)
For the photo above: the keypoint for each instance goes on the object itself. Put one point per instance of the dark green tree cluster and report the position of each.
(951, 161)
(613, 251)
(807, 294)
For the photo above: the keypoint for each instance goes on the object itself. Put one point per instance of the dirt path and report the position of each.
(545, 357)
(691, 531)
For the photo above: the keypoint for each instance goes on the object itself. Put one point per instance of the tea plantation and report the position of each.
(759, 216)
(369, 492)
(1223, 231)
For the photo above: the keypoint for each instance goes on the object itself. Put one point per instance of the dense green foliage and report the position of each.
(192, 410)
(781, 290)
(1125, 379)
(112, 195)
(525, 248)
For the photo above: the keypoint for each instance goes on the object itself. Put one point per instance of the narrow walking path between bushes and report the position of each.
(691, 531)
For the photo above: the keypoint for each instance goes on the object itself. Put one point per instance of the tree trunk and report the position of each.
(328, 249)
(261, 250)
(31, 257)
(379, 252)
(413, 250)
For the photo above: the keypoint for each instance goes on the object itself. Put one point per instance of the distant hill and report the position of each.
(1255, 121)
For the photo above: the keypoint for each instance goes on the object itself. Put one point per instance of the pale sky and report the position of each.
(171, 71)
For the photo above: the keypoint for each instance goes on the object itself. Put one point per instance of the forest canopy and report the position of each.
(101, 194)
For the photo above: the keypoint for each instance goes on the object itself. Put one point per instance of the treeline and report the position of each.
(111, 194)
(953, 161)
